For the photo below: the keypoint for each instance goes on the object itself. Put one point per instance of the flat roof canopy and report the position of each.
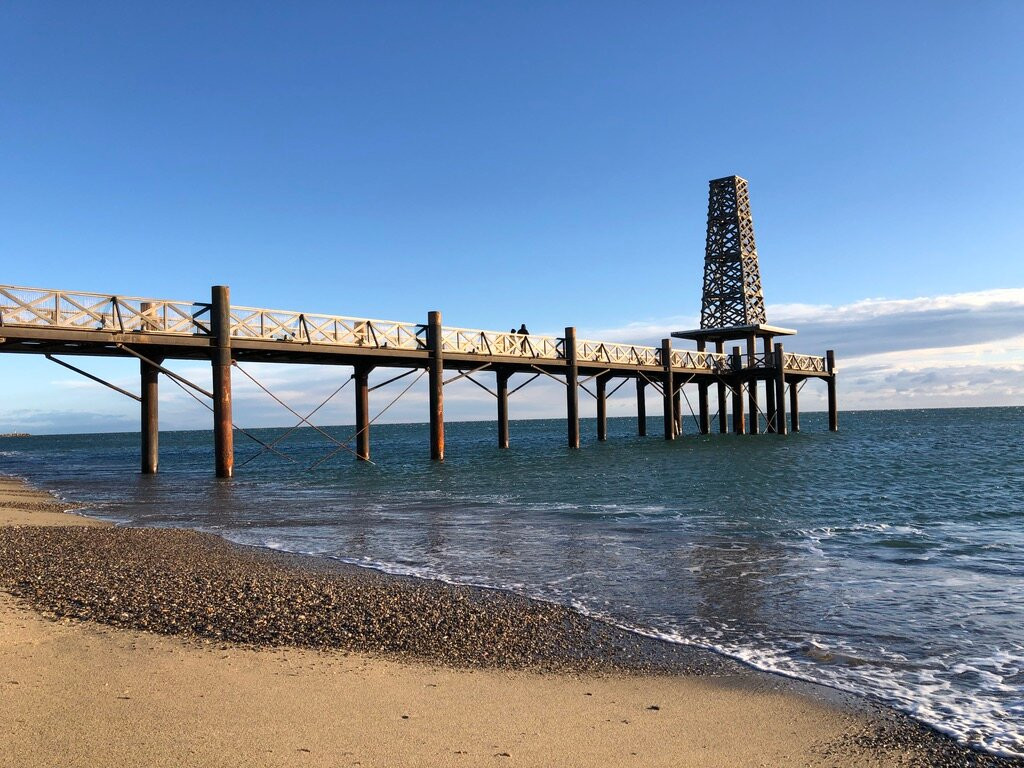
(733, 332)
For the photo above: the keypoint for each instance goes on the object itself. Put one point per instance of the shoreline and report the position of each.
(490, 638)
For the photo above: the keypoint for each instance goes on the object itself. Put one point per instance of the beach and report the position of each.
(127, 646)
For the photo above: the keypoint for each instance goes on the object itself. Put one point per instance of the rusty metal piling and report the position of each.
(737, 394)
(572, 394)
(780, 390)
(668, 393)
(435, 373)
(220, 327)
(641, 406)
(501, 380)
(361, 375)
(833, 406)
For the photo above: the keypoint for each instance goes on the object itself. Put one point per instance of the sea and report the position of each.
(886, 559)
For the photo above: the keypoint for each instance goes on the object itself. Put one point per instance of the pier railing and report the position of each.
(283, 325)
(471, 341)
(791, 362)
(804, 363)
(99, 312)
(701, 361)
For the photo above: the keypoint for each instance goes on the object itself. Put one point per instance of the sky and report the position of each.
(544, 163)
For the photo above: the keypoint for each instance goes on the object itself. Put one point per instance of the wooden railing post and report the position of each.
(833, 406)
(668, 395)
(435, 373)
(780, 390)
(362, 380)
(220, 327)
(641, 406)
(738, 425)
(572, 394)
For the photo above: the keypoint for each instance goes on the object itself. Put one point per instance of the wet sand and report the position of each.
(123, 646)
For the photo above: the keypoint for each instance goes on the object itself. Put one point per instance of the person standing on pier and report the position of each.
(524, 333)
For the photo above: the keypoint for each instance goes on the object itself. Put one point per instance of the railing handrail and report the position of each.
(107, 296)
(326, 316)
(181, 318)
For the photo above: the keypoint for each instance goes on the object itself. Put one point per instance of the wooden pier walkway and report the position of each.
(64, 323)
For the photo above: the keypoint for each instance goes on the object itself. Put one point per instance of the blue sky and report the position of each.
(537, 162)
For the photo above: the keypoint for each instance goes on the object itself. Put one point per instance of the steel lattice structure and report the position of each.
(732, 279)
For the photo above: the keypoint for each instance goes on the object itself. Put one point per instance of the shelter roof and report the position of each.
(728, 333)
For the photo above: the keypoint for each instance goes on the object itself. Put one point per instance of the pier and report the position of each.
(60, 324)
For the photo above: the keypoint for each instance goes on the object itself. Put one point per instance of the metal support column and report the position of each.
(602, 408)
(641, 407)
(220, 327)
(501, 381)
(833, 407)
(704, 417)
(572, 392)
(780, 390)
(669, 389)
(738, 425)
(770, 413)
(723, 423)
(150, 377)
(362, 379)
(794, 406)
(677, 409)
(435, 374)
(755, 418)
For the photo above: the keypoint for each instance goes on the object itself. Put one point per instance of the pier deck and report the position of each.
(54, 322)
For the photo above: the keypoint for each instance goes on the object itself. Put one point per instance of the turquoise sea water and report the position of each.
(887, 559)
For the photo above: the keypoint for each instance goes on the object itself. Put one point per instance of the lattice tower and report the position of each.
(732, 279)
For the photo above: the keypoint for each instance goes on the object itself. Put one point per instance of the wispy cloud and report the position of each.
(933, 351)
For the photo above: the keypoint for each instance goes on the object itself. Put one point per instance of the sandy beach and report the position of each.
(258, 659)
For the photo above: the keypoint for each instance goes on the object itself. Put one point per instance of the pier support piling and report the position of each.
(150, 381)
(677, 409)
(723, 422)
(794, 406)
(435, 373)
(641, 407)
(501, 380)
(704, 416)
(602, 408)
(833, 407)
(738, 425)
(572, 392)
(780, 390)
(770, 414)
(668, 395)
(220, 327)
(362, 381)
(755, 419)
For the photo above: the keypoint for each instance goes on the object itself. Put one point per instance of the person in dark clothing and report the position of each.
(524, 344)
